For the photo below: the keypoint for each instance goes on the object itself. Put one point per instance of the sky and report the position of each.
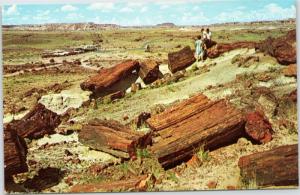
(150, 12)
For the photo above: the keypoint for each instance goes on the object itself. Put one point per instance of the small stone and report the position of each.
(212, 185)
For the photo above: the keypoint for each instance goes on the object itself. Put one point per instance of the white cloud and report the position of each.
(126, 9)
(12, 10)
(269, 12)
(68, 8)
(101, 6)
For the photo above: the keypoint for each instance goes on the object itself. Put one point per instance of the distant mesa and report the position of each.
(167, 24)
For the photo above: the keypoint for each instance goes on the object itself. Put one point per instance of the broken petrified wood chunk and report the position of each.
(46, 178)
(15, 151)
(258, 127)
(133, 184)
(290, 70)
(117, 95)
(107, 78)
(181, 59)
(38, 122)
(192, 123)
(221, 48)
(277, 167)
(149, 71)
(112, 137)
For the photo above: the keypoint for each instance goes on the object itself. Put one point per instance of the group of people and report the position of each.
(201, 44)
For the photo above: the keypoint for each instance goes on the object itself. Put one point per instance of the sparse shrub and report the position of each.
(202, 154)
(171, 176)
(194, 68)
(142, 153)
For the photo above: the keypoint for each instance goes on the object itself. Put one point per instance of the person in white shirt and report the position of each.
(208, 34)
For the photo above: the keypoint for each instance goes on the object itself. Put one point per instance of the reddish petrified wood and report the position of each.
(282, 48)
(15, 151)
(181, 59)
(133, 184)
(149, 71)
(192, 123)
(107, 77)
(276, 167)
(290, 70)
(38, 122)
(221, 48)
(258, 127)
(112, 137)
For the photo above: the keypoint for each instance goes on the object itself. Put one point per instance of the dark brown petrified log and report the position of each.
(276, 167)
(195, 122)
(15, 151)
(133, 184)
(106, 78)
(112, 137)
(149, 71)
(38, 122)
(181, 59)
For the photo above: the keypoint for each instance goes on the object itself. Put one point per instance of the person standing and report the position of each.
(208, 34)
(199, 48)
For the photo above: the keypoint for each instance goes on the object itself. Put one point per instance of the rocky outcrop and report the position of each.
(258, 127)
(221, 48)
(282, 48)
(276, 167)
(181, 59)
(38, 122)
(112, 137)
(195, 122)
(149, 71)
(113, 79)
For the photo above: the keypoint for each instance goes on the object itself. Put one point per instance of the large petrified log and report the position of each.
(149, 71)
(133, 184)
(181, 59)
(107, 80)
(112, 137)
(282, 48)
(221, 48)
(38, 122)
(15, 151)
(276, 167)
(192, 123)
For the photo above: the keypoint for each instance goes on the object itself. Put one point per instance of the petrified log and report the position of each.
(106, 78)
(258, 127)
(181, 59)
(112, 137)
(221, 48)
(38, 122)
(282, 48)
(133, 184)
(149, 71)
(276, 167)
(193, 123)
(15, 151)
